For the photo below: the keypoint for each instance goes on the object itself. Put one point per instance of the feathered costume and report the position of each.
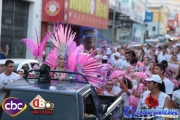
(62, 38)
(36, 48)
(78, 61)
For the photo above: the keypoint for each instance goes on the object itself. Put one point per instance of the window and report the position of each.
(32, 64)
(25, 67)
(154, 28)
(89, 105)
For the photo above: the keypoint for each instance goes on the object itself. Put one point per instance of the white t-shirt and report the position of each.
(116, 89)
(168, 86)
(162, 57)
(176, 94)
(126, 97)
(161, 98)
(117, 63)
(124, 65)
(146, 51)
(107, 94)
(174, 66)
(11, 78)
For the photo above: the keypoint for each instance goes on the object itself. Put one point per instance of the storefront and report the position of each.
(84, 16)
(137, 14)
(19, 18)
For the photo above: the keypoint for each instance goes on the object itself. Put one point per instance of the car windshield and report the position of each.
(65, 106)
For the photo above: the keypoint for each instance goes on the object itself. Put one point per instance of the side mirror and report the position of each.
(90, 117)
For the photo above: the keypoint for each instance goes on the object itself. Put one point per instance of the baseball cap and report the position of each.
(117, 54)
(104, 57)
(21, 70)
(155, 78)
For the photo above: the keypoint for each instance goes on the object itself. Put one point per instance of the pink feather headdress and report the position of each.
(36, 48)
(62, 38)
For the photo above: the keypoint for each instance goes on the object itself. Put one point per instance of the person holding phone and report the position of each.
(2, 54)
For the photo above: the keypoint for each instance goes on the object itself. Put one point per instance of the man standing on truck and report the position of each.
(8, 75)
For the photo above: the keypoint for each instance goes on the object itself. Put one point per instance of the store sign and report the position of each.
(178, 23)
(52, 10)
(137, 11)
(125, 5)
(115, 5)
(171, 24)
(148, 17)
(91, 13)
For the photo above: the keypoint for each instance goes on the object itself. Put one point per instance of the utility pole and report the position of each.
(113, 22)
(144, 22)
(159, 20)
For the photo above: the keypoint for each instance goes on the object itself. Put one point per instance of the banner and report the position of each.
(148, 17)
(125, 7)
(137, 11)
(171, 24)
(90, 13)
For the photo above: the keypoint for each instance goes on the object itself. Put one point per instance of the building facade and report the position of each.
(18, 19)
(159, 23)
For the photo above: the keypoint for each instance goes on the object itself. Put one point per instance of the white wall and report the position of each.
(0, 19)
(150, 26)
(34, 22)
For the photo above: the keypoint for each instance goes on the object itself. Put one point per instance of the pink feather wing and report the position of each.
(43, 44)
(51, 59)
(31, 46)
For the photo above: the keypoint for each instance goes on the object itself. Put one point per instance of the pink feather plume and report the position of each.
(36, 48)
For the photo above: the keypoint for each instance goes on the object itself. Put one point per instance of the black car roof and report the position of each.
(59, 87)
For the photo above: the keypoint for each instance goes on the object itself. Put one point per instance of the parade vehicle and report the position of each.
(70, 99)
(25, 64)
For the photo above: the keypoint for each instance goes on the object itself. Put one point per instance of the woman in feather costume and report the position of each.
(68, 56)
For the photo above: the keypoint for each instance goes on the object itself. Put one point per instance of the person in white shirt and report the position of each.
(8, 76)
(126, 63)
(156, 91)
(160, 70)
(176, 98)
(158, 51)
(146, 64)
(163, 55)
(21, 73)
(147, 49)
(117, 61)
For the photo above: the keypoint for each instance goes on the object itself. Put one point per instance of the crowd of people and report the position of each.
(146, 76)
(142, 72)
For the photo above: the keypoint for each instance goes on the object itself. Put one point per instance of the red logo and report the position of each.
(52, 8)
(40, 106)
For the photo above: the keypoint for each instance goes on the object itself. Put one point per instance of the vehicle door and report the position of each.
(89, 104)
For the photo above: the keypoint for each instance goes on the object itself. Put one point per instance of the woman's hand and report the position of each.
(62, 77)
(99, 92)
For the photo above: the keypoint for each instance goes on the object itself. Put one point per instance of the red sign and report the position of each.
(171, 24)
(91, 13)
(52, 10)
